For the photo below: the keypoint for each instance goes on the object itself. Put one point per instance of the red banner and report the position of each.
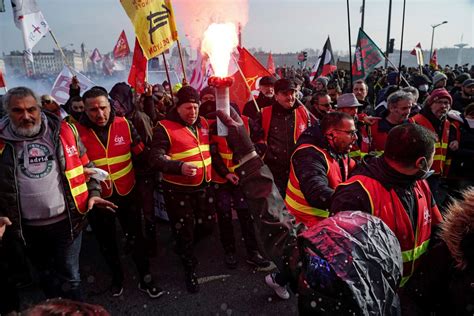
(252, 71)
(122, 49)
(2, 80)
(270, 64)
(137, 76)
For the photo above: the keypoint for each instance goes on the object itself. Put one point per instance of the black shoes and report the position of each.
(152, 290)
(256, 260)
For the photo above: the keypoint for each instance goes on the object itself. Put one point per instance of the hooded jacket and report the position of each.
(9, 199)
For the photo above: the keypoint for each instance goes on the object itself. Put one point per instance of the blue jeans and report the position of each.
(55, 255)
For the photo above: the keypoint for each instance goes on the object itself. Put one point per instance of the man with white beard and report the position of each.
(45, 191)
(265, 97)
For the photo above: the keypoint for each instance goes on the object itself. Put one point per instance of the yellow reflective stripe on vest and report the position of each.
(441, 145)
(189, 152)
(121, 173)
(356, 153)
(75, 172)
(226, 156)
(295, 191)
(439, 158)
(232, 169)
(79, 190)
(413, 254)
(113, 160)
(306, 209)
(200, 164)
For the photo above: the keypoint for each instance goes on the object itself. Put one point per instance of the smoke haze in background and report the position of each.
(196, 16)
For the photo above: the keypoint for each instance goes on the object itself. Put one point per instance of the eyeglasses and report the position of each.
(47, 101)
(352, 133)
(446, 102)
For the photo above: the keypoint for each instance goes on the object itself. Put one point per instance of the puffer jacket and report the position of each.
(9, 200)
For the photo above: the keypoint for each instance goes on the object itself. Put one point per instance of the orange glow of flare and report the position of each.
(219, 41)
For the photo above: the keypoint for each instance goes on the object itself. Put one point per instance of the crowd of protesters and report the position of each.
(308, 159)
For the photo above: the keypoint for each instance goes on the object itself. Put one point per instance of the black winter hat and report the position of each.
(419, 80)
(187, 94)
(463, 77)
(267, 81)
(208, 90)
(284, 85)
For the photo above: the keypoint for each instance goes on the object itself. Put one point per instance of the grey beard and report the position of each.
(27, 132)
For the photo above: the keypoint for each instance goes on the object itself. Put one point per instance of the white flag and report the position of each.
(29, 19)
(60, 90)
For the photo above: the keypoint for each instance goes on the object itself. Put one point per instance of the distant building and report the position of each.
(44, 63)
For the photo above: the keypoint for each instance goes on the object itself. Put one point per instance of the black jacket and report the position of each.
(9, 200)
(460, 103)
(311, 168)
(160, 146)
(280, 141)
(262, 101)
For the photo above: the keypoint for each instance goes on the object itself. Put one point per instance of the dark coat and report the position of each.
(9, 200)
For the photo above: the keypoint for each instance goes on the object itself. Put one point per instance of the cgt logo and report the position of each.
(426, 217)
(71, 150)
(119, 140)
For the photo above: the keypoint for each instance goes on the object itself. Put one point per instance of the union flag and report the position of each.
(121, 49)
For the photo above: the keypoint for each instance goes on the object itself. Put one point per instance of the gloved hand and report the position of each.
(237, 139)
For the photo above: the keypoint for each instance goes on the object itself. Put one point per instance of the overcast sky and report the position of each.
(273, 25)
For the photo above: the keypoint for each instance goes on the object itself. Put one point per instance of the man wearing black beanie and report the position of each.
(180, 149)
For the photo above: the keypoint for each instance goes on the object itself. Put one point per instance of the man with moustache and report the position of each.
(45, 192)
(180, 150)
(265, 97)
(433, 116)
(281, 123)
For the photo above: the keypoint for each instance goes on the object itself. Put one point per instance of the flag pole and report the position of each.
(246, 84)
(185, 81)
(401, 44)
(168, 76)
(62, 53)
(350, 43)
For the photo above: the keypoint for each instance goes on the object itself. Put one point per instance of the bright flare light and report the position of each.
(218, 43)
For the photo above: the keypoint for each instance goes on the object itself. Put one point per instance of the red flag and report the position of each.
(326, 64)
(270, 64)
(434, 60)
(413, 52)
(137, 76)
(2, 80)
(107, 65)
(95, 56)
(122, 49)
(252, 71)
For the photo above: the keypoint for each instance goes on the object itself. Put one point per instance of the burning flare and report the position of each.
(219, 41)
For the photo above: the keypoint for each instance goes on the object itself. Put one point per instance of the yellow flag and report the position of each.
(154, 24)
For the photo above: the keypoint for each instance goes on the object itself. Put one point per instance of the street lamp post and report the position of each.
(432, 36)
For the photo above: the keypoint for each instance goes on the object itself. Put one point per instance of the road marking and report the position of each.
(212, 278)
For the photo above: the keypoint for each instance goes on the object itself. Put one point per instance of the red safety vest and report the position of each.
(301, 121)
(377, 140)
(441, 146)
(295, 201)
(74, 166)
(116, 159)
(387, 206)
(225, 153)
(186, 147)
